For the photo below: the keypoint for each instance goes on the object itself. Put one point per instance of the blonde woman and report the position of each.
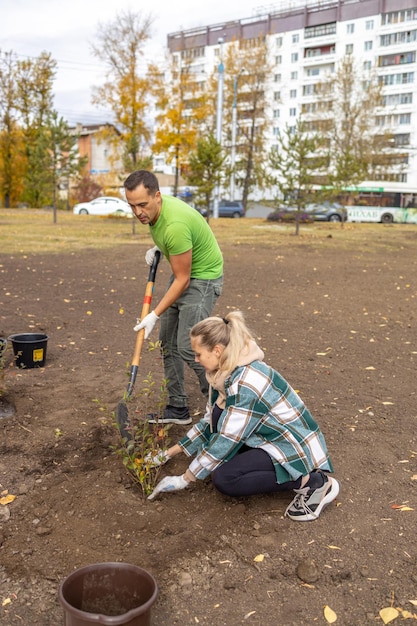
(257, 435)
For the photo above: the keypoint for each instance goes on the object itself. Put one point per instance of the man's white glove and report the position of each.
(159, 458)
(169, 483)
(147, 323)
(150, 255)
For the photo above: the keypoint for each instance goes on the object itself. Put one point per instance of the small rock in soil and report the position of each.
(307, 571)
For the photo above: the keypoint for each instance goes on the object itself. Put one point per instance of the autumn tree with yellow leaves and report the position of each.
(128, 89)
(184, 113)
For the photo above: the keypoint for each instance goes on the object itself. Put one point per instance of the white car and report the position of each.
(106, 205)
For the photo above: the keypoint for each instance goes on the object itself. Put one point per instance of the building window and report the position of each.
(313, 71)
(408, 36)
(296, 38)
(406, 98)
(278, 42)
(369, 24)
(275, 131)
(397, 59)
(309, 90)
(349, 48)
(397, 79)
(402, 139)
(278, 60)
(293, 93)
(318, 52)
(277, 96)
(396, 17)
(393, 120)
(320, 31)
(277, 78)
(294, 57)
(276, 113)
(293, 112)
(294, 75)
(350, 28)
(368, 45)
(405, 118)
(193, 53)
(367, 65)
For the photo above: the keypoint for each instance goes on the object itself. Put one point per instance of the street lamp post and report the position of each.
(219, 119)
(233, 150)
(234, 132)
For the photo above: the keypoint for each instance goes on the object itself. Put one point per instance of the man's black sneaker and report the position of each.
(171, 415)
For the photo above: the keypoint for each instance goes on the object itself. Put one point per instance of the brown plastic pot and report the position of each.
(110, 594)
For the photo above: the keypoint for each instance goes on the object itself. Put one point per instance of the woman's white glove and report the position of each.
(169, 483)
(159, 458)
(150, 255)
(147, 323)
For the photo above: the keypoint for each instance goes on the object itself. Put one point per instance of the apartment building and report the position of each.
(306, 40)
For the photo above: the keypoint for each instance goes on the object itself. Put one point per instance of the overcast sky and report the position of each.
(67, 29)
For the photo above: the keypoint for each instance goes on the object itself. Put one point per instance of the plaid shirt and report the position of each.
(262, 411)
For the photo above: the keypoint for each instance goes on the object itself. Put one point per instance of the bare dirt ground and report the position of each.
(340, 325)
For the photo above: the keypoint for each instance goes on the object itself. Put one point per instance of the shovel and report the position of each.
(122, 413)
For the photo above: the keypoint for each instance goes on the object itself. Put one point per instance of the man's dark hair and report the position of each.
(142, 177)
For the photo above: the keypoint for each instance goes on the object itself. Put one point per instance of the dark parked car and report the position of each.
(289, 214)
(227, 208)
(231, 208)
(327, 212)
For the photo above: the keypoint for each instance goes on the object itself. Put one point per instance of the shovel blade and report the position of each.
(123, 421)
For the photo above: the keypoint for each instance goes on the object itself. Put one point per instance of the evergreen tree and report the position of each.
(293, 166)
(206, 165)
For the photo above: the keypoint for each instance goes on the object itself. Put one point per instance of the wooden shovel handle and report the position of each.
(146, 307)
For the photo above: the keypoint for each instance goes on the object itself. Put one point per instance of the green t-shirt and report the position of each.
(180, 228)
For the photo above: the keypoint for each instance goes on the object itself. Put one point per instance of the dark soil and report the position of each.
(339, 324)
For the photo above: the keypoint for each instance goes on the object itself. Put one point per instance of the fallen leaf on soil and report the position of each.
(402, 507)
(388, 614)
(369, 368)
(6, 601)
(6, 499)
(121, 311)
(249, 614)
(334, 547)
(259, 558)
(330, 615)
(385, 403)
(413, 602)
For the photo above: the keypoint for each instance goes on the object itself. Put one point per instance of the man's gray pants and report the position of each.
(194, 305)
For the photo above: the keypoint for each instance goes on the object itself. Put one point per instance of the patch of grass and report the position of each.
(32, 231)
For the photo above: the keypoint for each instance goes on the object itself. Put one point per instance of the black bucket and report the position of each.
(108, 593)
(29, 349)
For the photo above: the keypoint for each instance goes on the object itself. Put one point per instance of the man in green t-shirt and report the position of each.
(186, 240)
